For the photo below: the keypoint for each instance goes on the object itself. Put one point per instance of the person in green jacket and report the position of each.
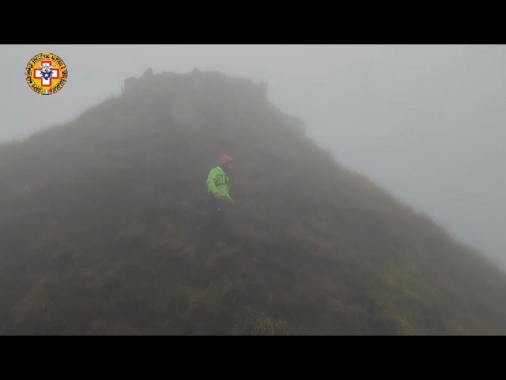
(219, 200)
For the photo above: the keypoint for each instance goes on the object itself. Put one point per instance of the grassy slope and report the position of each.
(106, 241)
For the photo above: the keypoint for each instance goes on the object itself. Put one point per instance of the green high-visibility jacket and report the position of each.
(217, 183)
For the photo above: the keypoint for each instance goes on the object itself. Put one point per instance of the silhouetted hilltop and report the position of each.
(99, 229)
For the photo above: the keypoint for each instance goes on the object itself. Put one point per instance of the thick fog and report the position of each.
(426, 122)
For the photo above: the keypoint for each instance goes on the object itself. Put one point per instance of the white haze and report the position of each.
(426, 122)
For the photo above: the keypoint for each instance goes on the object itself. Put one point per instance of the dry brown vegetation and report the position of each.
(106, 240)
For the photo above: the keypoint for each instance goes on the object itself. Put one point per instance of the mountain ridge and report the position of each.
(100, 229)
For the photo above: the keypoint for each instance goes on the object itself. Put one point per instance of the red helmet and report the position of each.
(225, 159)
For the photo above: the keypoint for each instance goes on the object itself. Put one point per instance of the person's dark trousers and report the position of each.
(217, 222)
(217, 211)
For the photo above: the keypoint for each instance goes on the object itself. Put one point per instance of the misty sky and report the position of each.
(426, 122)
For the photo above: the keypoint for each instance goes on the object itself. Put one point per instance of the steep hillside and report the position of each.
(99, 229)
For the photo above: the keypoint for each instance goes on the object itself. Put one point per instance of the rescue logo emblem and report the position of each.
(46, 73)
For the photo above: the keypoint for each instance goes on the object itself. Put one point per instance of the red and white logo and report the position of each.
(46, 73)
